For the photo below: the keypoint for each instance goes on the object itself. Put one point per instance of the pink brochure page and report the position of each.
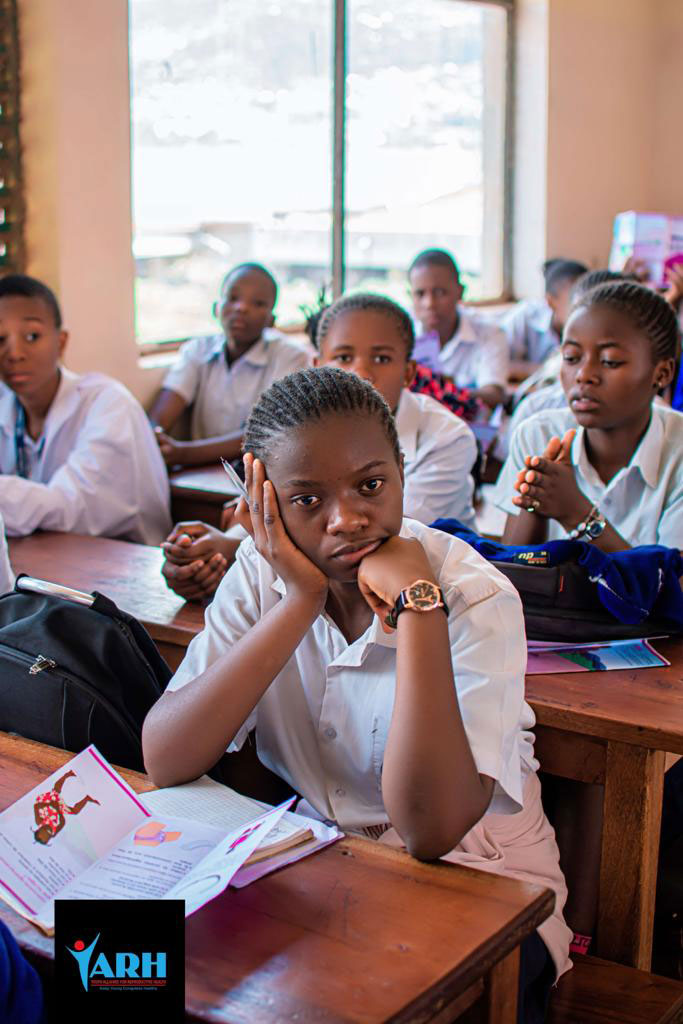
(60, 828)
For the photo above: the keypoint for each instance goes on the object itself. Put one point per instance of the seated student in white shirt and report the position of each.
(6, 574)
(474, 350)
(222, 375)
(373, 337)
(543, 389)
(77, 452)
(534, 328)
(608, 466)
(393, 719)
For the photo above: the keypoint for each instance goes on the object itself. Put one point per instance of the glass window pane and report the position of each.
(425, 140)
(231, 128)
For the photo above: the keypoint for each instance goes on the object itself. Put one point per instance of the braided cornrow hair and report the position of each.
(309, 395)
(592, 278)
(362, 302)
(649, 312)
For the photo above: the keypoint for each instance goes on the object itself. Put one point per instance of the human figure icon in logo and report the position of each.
(50, 810)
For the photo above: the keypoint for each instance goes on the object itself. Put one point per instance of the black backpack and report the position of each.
(561, 603)
(76, 670)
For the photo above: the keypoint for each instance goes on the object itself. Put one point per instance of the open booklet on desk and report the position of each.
(548, 658)
(84, 834)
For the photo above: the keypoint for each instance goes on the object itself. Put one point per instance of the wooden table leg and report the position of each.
(501, 990)
(634, 778)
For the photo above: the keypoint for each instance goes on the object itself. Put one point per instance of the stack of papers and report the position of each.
(548, 658)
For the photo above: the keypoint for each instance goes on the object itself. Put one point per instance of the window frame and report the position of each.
(338, 213)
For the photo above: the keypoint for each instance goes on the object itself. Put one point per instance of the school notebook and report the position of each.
(293, 837)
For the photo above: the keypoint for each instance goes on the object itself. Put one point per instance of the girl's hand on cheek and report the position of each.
(550, 489)
(383, 574)
(272, 541)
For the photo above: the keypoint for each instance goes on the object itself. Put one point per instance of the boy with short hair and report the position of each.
(534, 328)
(76, 451)
(222, 375)
(473, 349)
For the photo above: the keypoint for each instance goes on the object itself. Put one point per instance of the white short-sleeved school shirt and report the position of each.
(96, 468)
(323, 723)
(529, 331)
(6, 574)
(222, 396)
(477, 354)
(643, 502)
(440, 450)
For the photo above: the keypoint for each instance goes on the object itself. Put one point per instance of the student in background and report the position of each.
(6, 574)
(543, 390)
(222, 375)
(474, 350)
(534, 328)
(76, 452)
(608, 467)
(372, 337)
(309, 640)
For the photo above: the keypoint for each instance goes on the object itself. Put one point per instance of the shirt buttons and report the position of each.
(340, 792)
(331, 733)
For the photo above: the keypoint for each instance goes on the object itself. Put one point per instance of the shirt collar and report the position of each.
(356, 652)
(646, 458)
(465, 333)
(57, 412)
(257, 355)
(407, 423)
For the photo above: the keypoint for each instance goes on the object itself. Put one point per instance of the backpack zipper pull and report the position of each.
(40, 663)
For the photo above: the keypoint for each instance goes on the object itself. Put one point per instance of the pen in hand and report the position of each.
(234, 478)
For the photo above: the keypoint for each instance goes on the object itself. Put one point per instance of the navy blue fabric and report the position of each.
(677, 400)
(632, 585)
(21, 993)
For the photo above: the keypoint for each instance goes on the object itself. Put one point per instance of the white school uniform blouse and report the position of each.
(529, 331)
(95, 469)
(477, 354)
(440, 450)
(643, 502)
(6, 574)
(222, 396)
(323, 722)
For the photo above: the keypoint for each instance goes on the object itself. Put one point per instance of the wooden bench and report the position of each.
(599, 992)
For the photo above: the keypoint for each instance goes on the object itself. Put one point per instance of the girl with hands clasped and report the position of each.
(380, 662)
(608, 468)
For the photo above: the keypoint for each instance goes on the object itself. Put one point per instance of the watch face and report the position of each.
(423, 595)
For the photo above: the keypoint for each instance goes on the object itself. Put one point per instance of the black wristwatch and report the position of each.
(420, 596)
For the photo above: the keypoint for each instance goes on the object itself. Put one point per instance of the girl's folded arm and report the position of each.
(188, 730)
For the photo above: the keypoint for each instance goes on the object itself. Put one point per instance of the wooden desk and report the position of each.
(357, 932)
(615, 728)
(129, 574)
(198, 492)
